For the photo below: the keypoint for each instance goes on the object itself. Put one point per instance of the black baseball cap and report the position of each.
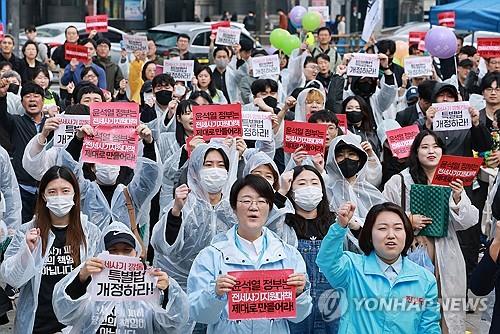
(115, 237)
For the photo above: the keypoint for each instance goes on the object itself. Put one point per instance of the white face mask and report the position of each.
(106, 174)
(213, 179)
(60, 205)
(308, 198)
(179, 90)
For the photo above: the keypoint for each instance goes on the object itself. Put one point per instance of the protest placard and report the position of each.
(400, 140)
(447, 19)
(488, 47)
(134, 43)
(68, 124)
(266, 65)
(324, 11)
(223, 24)
(114, 114)
(414, 37)
(1, 31)
(80, 52)
(228, 36)
(418, 66)
(123, 278)
(262, 294)
(180, 70)
(451, 116)
(363, 65)
(257, 125)
(342, 122)
(452, 167)
(311, 136)
(98, 23)
(217, 121)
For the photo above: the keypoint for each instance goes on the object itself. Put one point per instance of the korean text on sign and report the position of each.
(68, 124)
(488, 47)
(446, 19)
(79, 52)
(123, 278)
(217, 121)
(135, 43)
(267, 65)
(324, 11)
(97, 22)
(311, 136)
(343, 122)
(262, 294)
(451, 116)
(257, 125)
(228, 36)
(400, 140)
(415, 37)
(418, 66)
(452, 167)
(180, 70)
(363, 65)
(216, 26)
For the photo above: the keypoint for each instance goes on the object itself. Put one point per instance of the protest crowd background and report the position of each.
(309, 185)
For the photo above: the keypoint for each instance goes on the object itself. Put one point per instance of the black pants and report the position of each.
(28, 200)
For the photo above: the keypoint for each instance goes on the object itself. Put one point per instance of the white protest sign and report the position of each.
(451, 116)
(68, 124)
(228, 36)
(267, 65)
(180, 70)
(135, 43)
(123, 278)
(257, 125)
(418, 66)
(363, 65)
(324, 11)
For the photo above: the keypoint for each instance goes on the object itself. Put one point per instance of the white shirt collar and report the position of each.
(252, 249)
(397, 266)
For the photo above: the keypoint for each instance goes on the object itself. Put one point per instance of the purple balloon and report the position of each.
(441, 42)
(296, 14)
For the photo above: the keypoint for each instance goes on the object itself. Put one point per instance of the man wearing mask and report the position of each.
(183, 46)
(73, 71)
(7, 54)
(222, 74)
(323, 46)
(114, 75)
(21, 129)
(410, 115)
(164, 106)
(388, 47)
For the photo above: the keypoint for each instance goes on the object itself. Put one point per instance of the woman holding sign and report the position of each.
(248, 246)
(45, 250)
(382, 290)
(444, 252)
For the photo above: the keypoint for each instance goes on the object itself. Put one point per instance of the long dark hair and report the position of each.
(75, 235)
(366, 110)
(211, 85)
(144, 68)
(416, 171)
(182, 108)
(325, 217)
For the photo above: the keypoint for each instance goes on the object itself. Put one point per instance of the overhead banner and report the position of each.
(363, 65)
(451, 116)
(452, 167)
(217, 121)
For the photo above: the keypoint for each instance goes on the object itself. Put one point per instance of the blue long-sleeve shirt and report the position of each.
(76, 75)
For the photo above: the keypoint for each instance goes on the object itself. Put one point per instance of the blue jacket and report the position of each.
(223, 256)
(75, 75)
(368, 302)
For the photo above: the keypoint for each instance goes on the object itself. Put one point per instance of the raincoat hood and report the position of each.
(300, 107)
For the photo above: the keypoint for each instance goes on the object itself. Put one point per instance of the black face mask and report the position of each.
(364, 89)
(13, 88)
(270, 101)
(349, 167)
(354, 117)
(163, 97)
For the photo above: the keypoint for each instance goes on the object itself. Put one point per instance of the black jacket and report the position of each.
(398, 73)
(407, 116)
(17, 63)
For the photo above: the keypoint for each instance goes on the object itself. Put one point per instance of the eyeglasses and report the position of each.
(491, 90)
(248, 202)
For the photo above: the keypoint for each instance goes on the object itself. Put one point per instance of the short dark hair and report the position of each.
(86, 70)
(10, 37)
(489, 79)
(203, 94)
(77, 109)
(426, 89)
(41, 69)
(88, 88)
(31, 87)
(183, 36)
(309, 60)
(324, 116)
(323, 56)
(30, 28)
(104, 41)
(365, 236)
(163, 79)
(221, 48)
(87, 40)
(260, 85)
(325, 29)
(386, 45)
(26, 45)
(468, 50)
(4, 63)
(69, 27)
(257, 183)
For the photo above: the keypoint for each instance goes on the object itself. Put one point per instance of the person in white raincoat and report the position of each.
(74, 306)
(46, 249)
(10, 195)
(248, 245)
(445, 253)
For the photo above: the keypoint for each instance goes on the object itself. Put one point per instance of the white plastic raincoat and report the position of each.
(10, 191)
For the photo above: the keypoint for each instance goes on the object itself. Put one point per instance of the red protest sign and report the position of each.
(488, 47)
(342, 122)
(262, 294)
(452, 167)
(114, 114)
(1, 31)
(80, 52)
(447, 19)
(217, 121)
(215, 26)
(414, 37)
(311, 136)
(98, 23)
(400, 140)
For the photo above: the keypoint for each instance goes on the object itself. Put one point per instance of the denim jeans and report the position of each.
(320, 320)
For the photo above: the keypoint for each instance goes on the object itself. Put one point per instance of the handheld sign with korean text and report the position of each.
(134, 43)
(228, 36)
(217, 121)
(267, 65)
(216, 26)
(98, 23)
(488, 47)
(451, 116)
(415, 37)
(400, 140)
(418, 66)
(79, 52)
(324, 11)
(68, 125)
(342, 122)
(180, 70)
(311, 136)
(257, 125)
(452, 167)
(363, 65)
(262, 294)
(447, 19)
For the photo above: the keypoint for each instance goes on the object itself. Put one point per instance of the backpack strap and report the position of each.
(133, 224)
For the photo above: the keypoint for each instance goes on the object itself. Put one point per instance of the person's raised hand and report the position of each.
(181, 195)
(345, 213)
